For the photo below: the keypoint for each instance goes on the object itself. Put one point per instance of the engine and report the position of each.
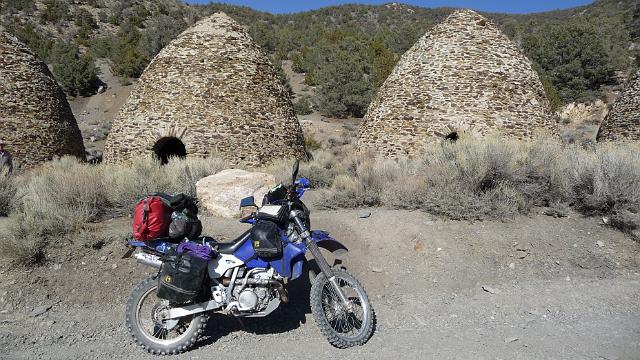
(256, 290)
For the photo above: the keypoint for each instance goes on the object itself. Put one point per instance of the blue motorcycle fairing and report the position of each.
(289, 265)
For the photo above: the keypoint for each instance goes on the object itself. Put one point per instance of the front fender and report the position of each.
(323, 240)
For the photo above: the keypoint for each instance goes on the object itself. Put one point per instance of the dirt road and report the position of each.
(531, 288)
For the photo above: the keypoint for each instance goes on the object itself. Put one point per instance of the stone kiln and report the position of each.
(623, 119)
(36, 122)
(211, 90)
(463, 74)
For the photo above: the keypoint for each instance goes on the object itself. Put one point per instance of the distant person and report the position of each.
(5, 158)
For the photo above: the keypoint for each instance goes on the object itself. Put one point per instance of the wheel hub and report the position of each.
(159, 314)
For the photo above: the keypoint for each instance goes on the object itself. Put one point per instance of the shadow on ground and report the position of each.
(287, 317)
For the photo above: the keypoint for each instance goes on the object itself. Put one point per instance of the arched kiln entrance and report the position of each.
(167, 147)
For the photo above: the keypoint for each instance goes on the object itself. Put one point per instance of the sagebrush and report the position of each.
(66, 196)
(494, 179)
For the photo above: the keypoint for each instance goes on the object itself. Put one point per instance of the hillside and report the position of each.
(580, 53)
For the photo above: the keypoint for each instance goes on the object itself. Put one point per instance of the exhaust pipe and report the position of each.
(148, 259)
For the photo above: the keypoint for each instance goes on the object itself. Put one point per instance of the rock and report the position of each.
(600, 243)
(40, 310)
(512, 266)
(103, 258)
(114, 266)
(57, 266)
(376, 270)
(583, 112)
(511, 339)
(419, 246)
(364, 214)
(522, 254)
(220, 194)
(490, 290)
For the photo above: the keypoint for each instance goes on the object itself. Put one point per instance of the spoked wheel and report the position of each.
(156, 335)
(343, 326)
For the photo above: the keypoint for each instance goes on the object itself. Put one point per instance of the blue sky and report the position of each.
(519, 7)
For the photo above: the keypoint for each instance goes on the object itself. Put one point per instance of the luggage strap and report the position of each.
(145, 214)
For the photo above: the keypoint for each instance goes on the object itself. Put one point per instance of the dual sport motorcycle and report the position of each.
(242, 284)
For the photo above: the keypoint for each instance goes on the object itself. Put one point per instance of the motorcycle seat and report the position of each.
(231, 247)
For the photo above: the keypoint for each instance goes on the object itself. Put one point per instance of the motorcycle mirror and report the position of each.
(296, 167)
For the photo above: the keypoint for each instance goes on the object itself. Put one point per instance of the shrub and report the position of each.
(127, 184)
(55, 11)
(310, 143)
(159, 31)
(605, 181)
(7, 192)
(303, 106)
(85, 21)
(32, 37)
(577, 55)
(321, 170)
(23, 250)
(495, 179)
(65, 196)
(76, 74)
(13, 6)
(344, 90)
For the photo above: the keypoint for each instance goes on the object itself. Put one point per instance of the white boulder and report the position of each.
(220, 194)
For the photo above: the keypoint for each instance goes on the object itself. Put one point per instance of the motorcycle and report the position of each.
(242, 284)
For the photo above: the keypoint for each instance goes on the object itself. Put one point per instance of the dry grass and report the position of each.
(7, 192)
(495, 179)
(472, 179)
(321, 169)
(65, 197)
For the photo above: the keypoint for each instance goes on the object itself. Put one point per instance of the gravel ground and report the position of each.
(531, 288)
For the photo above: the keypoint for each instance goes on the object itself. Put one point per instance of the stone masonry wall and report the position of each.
(623, 120)
(36, 121)
(463, 75)
(213, 88)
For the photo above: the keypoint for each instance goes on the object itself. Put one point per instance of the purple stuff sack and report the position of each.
(204, 252)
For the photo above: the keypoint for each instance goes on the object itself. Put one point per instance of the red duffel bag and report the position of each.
(151, 219)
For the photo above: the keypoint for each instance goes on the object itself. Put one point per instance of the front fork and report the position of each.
(322, 262)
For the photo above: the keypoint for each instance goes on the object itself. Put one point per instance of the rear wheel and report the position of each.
(154, 334)
(343, 327)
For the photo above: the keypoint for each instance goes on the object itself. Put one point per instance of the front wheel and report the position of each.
(158, 336)
(341, 326)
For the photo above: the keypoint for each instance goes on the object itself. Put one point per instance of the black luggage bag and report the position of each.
(181, 277)
(267, 242)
